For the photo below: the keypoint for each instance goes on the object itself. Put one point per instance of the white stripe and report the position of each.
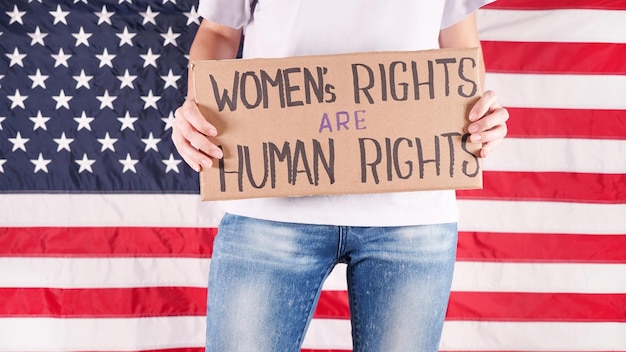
(542, 217)
(539, 277)
(152, 210)
(59, 272)
(103, 334)
(102, 272)
(578, 26)
(328, 334)
(55, 335)
(533, 336)
(602, 156)
(494, 336)
(558, 91)
(524, 277)
(71, 273)
(336, 281)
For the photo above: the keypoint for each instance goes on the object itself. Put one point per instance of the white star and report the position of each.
(37, 37)
(106, 100)
(1, 119)
(85, 164)
(166, 1)
(122, 1)
(39, 121)
(81, 37)
(17, 99)
(83, 122)
(104, 16)
(62, 100)
(149, 16)
(126, 37)
(127, 121)
(170, 37)
(149, 58)
(129, 164)
(16, 15)
(18, 142)
(63, 142)
(150, 100)
(2, 161)
(40, 163)
(82, 80)
(107, 142)
(38, 79)
(170, 80)
(192, 16)
(1, 77)
(126, 80)
(16, 58)
(151, 143)
(61, 58)
(169, 120)
(59, 15)
(172, 164)
(85, 1)
(106, 58)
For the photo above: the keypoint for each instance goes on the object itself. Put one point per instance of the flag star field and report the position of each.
(88, 90)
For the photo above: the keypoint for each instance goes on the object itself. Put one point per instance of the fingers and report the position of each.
(189, 134)
(489, 123)
(489, 147)
(492, 126)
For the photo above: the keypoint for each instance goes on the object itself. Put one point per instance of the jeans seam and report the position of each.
(340, 242)
(310, 302)
(352, 303)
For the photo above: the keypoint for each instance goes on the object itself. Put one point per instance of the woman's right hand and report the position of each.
(190, 134)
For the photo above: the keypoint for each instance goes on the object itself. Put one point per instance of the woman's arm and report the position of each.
(190, 129)
(488, 117)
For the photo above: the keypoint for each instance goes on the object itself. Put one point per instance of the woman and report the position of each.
(272, 254)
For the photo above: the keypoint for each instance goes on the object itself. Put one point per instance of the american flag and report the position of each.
(105, 246)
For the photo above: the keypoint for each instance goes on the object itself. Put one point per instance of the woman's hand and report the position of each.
(190, 134)
(488, 123)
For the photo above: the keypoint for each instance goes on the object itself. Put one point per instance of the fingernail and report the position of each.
(473, 116)
(217, 153)
(473, 129)
(207, 163)
(476, 138)
(212, 132)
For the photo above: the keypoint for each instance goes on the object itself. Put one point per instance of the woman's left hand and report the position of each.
(488, 123)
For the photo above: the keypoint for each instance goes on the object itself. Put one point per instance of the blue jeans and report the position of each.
(266, 277)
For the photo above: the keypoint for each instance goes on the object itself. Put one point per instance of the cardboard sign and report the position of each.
(336, 124)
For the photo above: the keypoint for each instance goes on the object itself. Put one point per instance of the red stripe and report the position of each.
(130, 302)
(549, 57)
(109, 302)
(550, 186)
(523, 247)
(60, 303)
(557, 4)
(189, 349)
(507, 306)
(472, 246)
(106, 241)
(333, 305)
(566, 123)
(201, 349)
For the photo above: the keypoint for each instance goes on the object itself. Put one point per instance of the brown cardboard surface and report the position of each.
(351, 123)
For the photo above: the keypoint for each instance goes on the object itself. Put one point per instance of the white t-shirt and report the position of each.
(284, 28)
